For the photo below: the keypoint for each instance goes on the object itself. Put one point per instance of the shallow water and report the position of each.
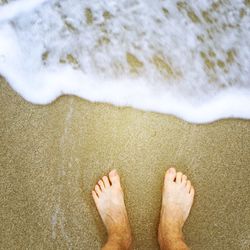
(189, 59)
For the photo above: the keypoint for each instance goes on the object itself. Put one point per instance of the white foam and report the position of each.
(50, 48)
(15, 8)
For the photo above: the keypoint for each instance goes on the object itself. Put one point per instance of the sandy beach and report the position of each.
(51, 157)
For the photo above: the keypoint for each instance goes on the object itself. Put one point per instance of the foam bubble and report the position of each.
(174, 57)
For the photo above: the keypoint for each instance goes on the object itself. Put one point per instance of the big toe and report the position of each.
(114, 178)
(170, 175)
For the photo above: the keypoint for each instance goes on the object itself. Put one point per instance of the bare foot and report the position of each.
(108, 197)
(177, 200)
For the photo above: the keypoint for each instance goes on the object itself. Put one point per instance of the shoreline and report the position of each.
(229, 100)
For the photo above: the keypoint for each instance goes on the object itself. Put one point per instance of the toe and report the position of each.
(95, 197)
(192, 191)
(184, 179)
(188, 186)
(101, 184)
(178, 177)
(106, 181)
(170, 174)
(114, 177)
(98, 190)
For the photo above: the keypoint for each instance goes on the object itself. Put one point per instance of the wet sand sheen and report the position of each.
(51, 156)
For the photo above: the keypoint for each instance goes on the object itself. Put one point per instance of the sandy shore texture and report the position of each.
(51, 157)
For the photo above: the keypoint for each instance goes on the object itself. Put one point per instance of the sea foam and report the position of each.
(190, 59)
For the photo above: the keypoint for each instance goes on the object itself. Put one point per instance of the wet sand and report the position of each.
(51, 156)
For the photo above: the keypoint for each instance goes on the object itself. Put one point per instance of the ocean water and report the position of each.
(190, 59)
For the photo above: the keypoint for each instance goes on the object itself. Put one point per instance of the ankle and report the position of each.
(170, 229)
(172, 241)
(123, 240)
(168, 235)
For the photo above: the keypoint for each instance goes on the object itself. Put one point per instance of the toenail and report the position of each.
(171, 170)
(113, 172)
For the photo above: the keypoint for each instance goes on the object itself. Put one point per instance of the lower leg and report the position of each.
(177, 200)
